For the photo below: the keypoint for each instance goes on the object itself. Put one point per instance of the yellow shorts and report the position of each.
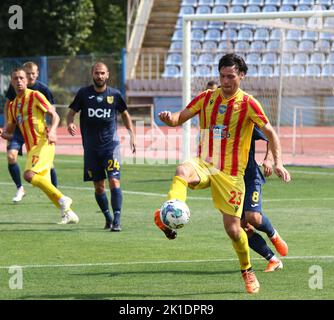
(227, 191)
(40, 158)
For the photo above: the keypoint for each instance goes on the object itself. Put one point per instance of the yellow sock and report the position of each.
(178, 189)
(242, 249)
(48, 188)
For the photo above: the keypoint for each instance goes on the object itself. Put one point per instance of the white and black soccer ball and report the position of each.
(174, 214)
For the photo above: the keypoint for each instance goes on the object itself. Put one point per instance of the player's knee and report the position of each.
(28, 175)
(184, 171)
(114, 183)
(254, 218)
(11, 157)
(233, 232)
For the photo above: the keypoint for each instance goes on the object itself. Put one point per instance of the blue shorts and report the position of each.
(16, 142)
(253, 198)
(100, 164)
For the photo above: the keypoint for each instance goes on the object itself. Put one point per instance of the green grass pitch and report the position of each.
(86, 262)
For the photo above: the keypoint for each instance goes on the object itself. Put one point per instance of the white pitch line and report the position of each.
(163, 195)
(103, 264)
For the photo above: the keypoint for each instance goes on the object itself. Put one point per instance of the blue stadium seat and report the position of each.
(301, 58)
(219, 9)
(217, 58)
(303, 7)
(229, 34)
(286, 7)
(197, 34)
(209, 45)
(252, 71)
(216, 25)
(306, 45)
(214, 71)
(253, 8)
(276, 3)
(177, 35)
(187, 10)
(225, 45)
(306, 2)
(317, 58)
(273, 45)
(327, 70)
(206, 3)
(297, 70)
(205, 58)
(242, 45)
(245, 35)
(171, 72)
(203, 10)
(275, 34)
(285, 70)
(330, 58)
(255, 2)
(323, 45)
(290, 45)
(313, 70)
(222, 3)
(253, 58)
(261, 34)
(176, 46)
(325, 36)
(213, 34)
(290, 2)
(239, 3)
(293, 35)
(196, 45)
(189, 3)
(173, 59)
(178, 23)
(329, 22)
(269, 58)
(310, 35)
(269, 9)
(325, 2)
(258, 45)
(287, 58)
(265, 71)
(202, 71)
(237, 9)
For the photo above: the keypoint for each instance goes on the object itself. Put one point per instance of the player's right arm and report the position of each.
(175, 119)
(71, 127)
(9, 126)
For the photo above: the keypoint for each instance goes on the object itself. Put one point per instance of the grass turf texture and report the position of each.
(86, 262)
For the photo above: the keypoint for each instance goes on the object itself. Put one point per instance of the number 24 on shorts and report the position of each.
(113, 164)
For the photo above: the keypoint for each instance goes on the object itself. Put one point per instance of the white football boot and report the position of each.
(19, 195)
(68, 216)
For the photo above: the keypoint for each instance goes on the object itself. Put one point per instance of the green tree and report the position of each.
(50, 27)
(109, 30)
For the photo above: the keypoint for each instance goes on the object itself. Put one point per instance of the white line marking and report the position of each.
(163, 195)
(102, 264)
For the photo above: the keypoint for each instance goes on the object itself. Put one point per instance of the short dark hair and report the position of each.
(211, 83)
(17, 70)
(232, 59)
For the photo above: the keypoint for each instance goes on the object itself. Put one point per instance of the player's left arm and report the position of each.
(126, 118)
(275, 148)
(52, 131)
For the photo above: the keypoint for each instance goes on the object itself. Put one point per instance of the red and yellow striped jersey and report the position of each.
(28, 112)
(226, 128)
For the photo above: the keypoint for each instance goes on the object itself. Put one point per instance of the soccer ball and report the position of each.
(174, 214)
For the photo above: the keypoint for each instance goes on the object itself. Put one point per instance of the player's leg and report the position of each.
(37, 172)
(13, 148)
(187, 174)
(54, 178)
(255, 216)
(112, 166)
(94, 171)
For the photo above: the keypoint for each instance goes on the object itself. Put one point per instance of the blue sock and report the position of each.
(102, 201)
(116, 203)
(266, 226)
(54, 179)
(259, 245)
(15, 173)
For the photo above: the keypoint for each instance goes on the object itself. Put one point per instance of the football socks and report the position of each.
(14, 171)
(178, 189)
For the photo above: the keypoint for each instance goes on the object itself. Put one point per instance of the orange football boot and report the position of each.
(169, 233)
(280, 244)
(252, 285)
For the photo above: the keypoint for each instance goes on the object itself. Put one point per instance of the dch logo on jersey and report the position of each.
(222, 109)
(99, 113)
